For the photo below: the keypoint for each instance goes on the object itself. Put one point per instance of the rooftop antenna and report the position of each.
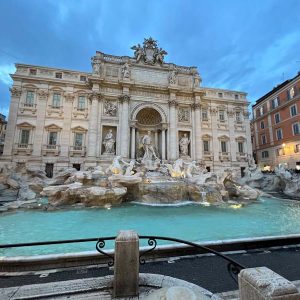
(282, 76)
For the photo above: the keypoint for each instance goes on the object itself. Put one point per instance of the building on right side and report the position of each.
(275, 126)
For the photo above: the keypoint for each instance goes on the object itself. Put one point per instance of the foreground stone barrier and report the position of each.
(262, 283)
(126, 270)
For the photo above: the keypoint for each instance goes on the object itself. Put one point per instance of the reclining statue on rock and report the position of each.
(193, 170)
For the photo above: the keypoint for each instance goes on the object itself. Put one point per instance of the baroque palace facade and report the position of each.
(61, 118)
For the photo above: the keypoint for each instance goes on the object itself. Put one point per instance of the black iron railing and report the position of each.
(233, 266)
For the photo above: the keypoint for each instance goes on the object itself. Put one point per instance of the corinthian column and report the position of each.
(124, 125)
(198, 141)
(92, 133)
(173, 130)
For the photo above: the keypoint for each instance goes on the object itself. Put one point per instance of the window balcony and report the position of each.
(28, 107)
(208, 155)
(19, 148)
(77, 151)
(241, 156)
(54, 110)
(51, 149)
(79, 112)
(224, 156)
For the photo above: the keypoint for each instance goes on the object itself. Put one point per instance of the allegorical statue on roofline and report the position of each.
(149, 53)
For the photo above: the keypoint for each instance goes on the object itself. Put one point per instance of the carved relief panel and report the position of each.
(110, 109)
(184, 114)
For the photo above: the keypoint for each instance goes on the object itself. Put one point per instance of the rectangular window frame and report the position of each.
(56, 100)
(279, 134)
(277, 118)
(298, 130)
(293, 108)
(263, 139)
(224, 147)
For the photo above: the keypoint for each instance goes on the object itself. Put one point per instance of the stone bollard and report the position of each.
(262, 283)
(126, 269)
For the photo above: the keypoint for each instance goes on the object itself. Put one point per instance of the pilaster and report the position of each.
(12, 121)
(124, 99)
(173, 145)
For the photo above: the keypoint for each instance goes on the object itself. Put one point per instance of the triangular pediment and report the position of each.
(53, 127)
(79, 128)
(25, 124)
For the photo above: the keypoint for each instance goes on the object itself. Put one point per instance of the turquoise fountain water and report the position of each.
(268, 217)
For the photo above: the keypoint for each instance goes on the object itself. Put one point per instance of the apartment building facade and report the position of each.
(276, 126)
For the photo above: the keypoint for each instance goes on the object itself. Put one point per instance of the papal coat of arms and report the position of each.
(149, 53)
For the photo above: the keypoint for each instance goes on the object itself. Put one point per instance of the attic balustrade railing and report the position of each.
(233, 266)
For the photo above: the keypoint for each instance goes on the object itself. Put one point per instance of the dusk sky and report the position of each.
(242, 45)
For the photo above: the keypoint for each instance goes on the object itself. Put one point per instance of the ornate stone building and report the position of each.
(60, 118)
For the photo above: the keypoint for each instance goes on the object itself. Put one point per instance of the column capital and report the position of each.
(133, 123)
(213, 111)
(95, 96)
(15, 92)
(124, 98)
(164, 126)
(69, 97)
(196, 106)
(43, 94)
(173, 103)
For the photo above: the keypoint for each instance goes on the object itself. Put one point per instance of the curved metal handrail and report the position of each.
(233, 266)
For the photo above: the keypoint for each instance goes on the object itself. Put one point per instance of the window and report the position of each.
(274, 103)
(265, 154)
(52, 138)
(222, 115)
(263, 139)
(223, 146)
(81, 103)
(293, 110)
(206, 146)
(56, 100)
(277, 118)
(82, 78)
(220, 95)
(58, 75)
(241, 147)
(279, 134)
(257, 113)
(78, 139)
(280, 151)
(297, 148)
(236, 96)
(29, 98)
(32, 71)
(296, 128)
(262, 125)
(204, 114)
(24, 140)
(238, 116)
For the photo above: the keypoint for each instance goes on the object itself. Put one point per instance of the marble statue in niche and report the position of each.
(110, 109)
(184, 145)
(126, 71)
(148, 147)
(109, 143)
(96, 66)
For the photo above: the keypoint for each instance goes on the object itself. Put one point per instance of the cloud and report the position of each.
(5, 70)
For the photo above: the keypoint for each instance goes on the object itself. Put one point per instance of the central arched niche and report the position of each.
(148, 116)
(148, 119)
